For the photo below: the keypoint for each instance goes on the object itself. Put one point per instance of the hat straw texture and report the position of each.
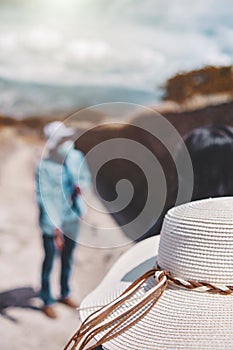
(197, 241)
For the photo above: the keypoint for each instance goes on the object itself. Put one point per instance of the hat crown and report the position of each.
(197, 241)
(55, 132)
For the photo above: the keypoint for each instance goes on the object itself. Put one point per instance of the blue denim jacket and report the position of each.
(55, 186)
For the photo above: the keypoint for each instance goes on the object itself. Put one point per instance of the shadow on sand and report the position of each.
(17, 298)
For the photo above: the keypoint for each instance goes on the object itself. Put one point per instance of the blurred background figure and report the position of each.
(60, 179)
(211, 152)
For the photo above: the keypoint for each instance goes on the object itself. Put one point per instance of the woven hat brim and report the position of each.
(181, 319)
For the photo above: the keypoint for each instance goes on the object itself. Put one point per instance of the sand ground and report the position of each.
(23, 325)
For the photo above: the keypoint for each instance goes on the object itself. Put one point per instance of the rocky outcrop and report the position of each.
(202, 82)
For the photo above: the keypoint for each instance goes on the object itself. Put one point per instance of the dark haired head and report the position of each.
(211, 151)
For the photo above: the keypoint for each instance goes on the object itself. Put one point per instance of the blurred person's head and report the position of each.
(59, 139)
(211, 152)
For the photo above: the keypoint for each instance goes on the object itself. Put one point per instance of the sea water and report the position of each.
(64, 54)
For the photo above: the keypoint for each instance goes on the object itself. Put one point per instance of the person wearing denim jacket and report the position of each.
(61, 177)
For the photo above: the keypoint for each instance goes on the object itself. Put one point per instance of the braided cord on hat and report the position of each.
(98, 321)
(199, 286)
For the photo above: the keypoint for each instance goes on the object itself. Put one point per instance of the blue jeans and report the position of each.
(66, 263)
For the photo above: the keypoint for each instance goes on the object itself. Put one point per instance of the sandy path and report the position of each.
(23, 327)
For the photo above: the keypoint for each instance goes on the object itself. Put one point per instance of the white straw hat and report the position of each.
(55, 132)
(192, 304)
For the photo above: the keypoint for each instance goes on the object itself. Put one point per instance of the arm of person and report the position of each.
(49, 200)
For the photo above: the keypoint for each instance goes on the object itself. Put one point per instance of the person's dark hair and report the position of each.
(211, 151)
